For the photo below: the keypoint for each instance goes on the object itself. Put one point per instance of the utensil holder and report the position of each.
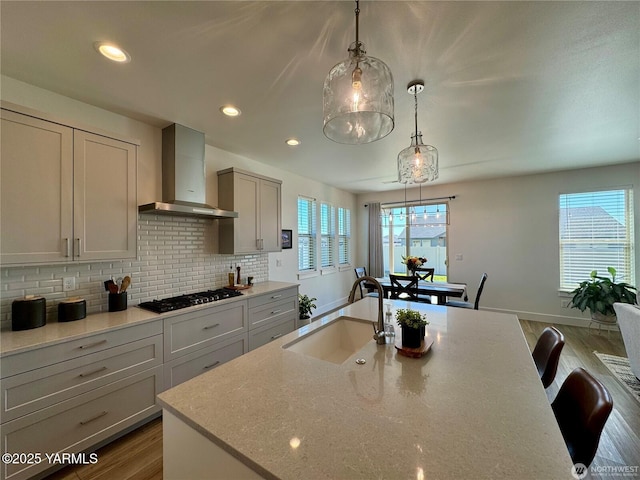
(117, 302)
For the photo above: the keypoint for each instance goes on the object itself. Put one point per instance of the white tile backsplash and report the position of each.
(174, 257)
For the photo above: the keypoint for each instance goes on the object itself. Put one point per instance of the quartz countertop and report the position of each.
(473, 407)
(12, 342)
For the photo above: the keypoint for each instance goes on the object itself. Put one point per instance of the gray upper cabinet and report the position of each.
(257, 199)
(66, 194)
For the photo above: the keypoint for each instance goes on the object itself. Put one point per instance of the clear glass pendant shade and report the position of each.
(418, 163)
(358, 99)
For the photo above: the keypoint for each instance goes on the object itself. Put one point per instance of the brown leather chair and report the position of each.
(546, 354)
(582, 407)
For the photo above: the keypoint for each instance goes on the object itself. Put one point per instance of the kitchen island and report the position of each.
(473, 407)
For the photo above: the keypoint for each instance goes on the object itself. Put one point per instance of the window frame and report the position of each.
(309, 233)
(602, 247)
(343, 232)
(329, 235)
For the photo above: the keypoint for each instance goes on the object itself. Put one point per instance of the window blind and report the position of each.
(306, 234)
(344, 236)
(596, 232)
(327, 235)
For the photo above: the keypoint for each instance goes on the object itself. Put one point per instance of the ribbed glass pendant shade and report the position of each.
(418, 163)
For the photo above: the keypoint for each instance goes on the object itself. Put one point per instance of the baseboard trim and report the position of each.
(550, 318)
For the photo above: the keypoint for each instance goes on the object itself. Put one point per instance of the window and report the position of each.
(596, 232)
(327, 236)
(416, 230)
(344, 236)
(306, 234)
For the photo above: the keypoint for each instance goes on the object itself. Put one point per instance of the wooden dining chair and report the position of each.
(426, 274)
(362, 272)
(582, 408)
(546, 354)
(405, 288)
(476, 303)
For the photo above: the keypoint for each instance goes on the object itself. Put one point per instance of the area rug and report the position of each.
(619, 368)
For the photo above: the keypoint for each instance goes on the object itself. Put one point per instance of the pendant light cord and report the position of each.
(357, 25)
(415, 98)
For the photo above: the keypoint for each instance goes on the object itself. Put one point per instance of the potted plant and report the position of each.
(305, 306)
(598, 294)
(412, 324)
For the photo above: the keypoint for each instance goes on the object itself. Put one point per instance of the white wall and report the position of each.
(509, 228)
(331, 290)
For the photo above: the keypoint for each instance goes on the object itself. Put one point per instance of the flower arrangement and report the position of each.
(413, 262)
(410, 318)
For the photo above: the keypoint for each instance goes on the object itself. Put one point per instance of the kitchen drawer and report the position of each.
(266, 334)
(201, 361)
(192, 331)
(76, 424)
(273, 312)
(260, 300)
(30, 391)
(68, 350)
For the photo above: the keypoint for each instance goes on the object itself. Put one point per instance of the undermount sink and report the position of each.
(335, 342)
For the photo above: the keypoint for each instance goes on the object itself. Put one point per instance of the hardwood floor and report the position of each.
(138, 455)
(135, 456)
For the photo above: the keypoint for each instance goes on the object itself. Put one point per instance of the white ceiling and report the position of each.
(511, 87)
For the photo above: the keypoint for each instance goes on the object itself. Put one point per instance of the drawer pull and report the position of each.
(94, 344)
(88, 374)
(211, 326)
(102, 414)
(275, 311)
(277, 336)
(275, 296)
(212, 365)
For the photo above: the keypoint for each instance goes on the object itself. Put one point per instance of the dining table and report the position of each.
(441, 290)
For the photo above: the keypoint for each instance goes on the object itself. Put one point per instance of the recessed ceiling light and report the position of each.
(112, 52)
(293, 142)
(230, 110)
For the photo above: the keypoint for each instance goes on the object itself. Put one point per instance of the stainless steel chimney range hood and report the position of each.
(183, 177)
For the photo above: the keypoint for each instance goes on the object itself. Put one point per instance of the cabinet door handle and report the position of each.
(79, 242)
(66, 248)
(89, 420)
(262, 244)
(93, 372)
(212, 365)
(277, 336)
(257, 244)
(94, 344)
(275, 311)
(275, 296)
(211, 326)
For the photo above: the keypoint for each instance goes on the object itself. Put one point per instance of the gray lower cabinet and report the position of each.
(272, 316)
(72, 395)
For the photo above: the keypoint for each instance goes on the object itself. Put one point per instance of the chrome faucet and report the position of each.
(378, 333)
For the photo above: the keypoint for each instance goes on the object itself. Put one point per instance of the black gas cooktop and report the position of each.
(188, 300)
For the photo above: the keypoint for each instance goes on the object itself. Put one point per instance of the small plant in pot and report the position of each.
(305, 306)
(598, 294)
(412, 324)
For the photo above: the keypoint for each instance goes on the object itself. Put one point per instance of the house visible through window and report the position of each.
(306, 234)
(596, 232)
(416, 230)
(344, 236)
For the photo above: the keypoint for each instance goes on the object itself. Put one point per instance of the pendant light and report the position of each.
(358, 97)
(417, 163)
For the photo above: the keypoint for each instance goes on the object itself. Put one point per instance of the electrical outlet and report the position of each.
(68, 284)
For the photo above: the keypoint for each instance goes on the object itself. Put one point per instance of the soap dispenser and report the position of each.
(389, 330)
